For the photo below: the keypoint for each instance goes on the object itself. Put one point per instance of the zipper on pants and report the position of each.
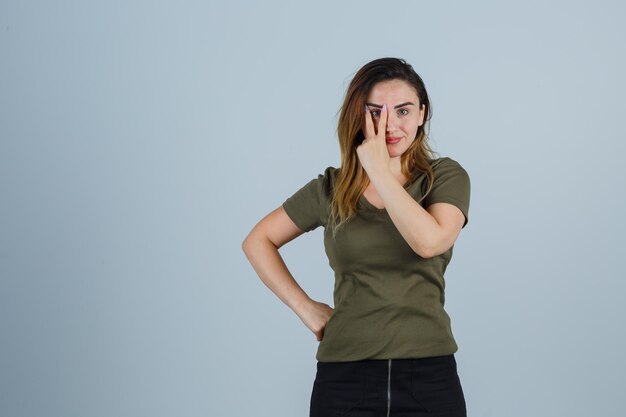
(388, 387)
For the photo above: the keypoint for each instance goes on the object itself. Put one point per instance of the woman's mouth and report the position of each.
(391, 139)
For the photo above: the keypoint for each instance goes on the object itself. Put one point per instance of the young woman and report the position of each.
(391, 214)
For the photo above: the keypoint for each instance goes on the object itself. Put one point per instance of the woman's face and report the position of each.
(405, 114)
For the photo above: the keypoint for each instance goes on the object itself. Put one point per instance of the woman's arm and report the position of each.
(261, 248)
(429, 232)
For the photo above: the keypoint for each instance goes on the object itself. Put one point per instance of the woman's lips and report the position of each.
(391, 139)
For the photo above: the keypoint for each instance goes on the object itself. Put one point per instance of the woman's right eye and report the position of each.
(375, 113)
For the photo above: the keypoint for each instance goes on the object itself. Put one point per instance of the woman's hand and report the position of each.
(315, 315)
(372, 152)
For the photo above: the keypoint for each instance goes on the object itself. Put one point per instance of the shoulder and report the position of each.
(445, 162)
(330, 172)
(326, 179)
(451, 184)
(446, 165)
(307, 207)
(320, 186)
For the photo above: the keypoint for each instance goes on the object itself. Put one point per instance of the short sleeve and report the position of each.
(452, 185)
(307, 205)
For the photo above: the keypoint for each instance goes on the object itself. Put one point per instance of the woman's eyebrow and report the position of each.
(408, 103)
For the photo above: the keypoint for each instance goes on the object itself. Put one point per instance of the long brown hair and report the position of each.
(352, 180)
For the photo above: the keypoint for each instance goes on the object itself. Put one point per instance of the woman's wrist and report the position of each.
(300, 303)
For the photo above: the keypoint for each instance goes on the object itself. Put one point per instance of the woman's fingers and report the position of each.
(315, 316)
(382, 122)
(381, 127)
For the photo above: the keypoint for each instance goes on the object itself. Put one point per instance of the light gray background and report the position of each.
(141, 141)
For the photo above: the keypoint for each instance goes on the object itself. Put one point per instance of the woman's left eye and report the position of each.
(404, 112)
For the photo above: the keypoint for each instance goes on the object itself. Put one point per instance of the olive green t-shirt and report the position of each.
(389, 301)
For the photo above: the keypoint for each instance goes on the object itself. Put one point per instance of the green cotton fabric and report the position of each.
(389, 301)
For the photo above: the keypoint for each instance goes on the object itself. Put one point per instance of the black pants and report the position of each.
(388, 387)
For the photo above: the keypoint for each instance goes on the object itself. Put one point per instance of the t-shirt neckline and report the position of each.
(372, 207)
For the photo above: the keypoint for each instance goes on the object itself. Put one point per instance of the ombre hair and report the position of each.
(352, 180)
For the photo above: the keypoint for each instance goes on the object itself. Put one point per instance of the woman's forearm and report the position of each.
(418, 228)
(270, 267)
